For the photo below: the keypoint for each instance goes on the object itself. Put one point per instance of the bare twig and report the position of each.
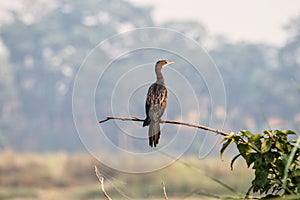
(165, 192)
(101, 180)
(133, 118)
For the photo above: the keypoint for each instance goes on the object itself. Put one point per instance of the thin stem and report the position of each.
(164, 190)
(101, 180)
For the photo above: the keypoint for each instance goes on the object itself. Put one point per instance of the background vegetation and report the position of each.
(42, 51)
(65, 176)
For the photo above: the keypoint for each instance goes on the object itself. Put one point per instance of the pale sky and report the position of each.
(253, 21)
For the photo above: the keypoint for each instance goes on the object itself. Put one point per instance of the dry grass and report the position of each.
(63, 176)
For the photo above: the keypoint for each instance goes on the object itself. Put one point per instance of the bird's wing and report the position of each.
(156, 100)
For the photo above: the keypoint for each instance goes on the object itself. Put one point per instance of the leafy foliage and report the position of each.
(274, 158)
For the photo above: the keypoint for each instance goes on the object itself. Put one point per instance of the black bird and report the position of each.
(156, 103)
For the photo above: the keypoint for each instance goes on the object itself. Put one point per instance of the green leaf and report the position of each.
(228, 137)
(289, 132)
(255, 141)
(266, 145)
(269, 132)
(246, 133)
(280, 166)
(250, 158)
(296, 173)
(292, 141)
(279, 145)
(256, 137)
(233, 160)
(225, 146)
(244, 149)
(261, 176)
(269, 157)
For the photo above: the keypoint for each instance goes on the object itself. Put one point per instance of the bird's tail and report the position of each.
(154, 133)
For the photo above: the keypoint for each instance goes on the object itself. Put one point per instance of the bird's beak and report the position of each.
(170, 62)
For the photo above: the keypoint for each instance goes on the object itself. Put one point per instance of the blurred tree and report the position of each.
(9, 104)
(46, 49)
(289, 54)
(47, 42)
(257, 84)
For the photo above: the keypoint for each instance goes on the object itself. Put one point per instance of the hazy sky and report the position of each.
(255, 20)
(249, 20)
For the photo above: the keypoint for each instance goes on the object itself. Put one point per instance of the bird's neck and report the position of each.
(159, 77)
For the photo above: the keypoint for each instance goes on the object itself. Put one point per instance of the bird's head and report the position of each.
(163, 63)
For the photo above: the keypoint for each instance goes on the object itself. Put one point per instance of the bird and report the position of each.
(156, 102)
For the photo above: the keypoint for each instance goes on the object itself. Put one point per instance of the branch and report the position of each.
(165, 192)
(101, 179)
(133, 118)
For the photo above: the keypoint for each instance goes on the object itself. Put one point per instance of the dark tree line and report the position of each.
(43, 55)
